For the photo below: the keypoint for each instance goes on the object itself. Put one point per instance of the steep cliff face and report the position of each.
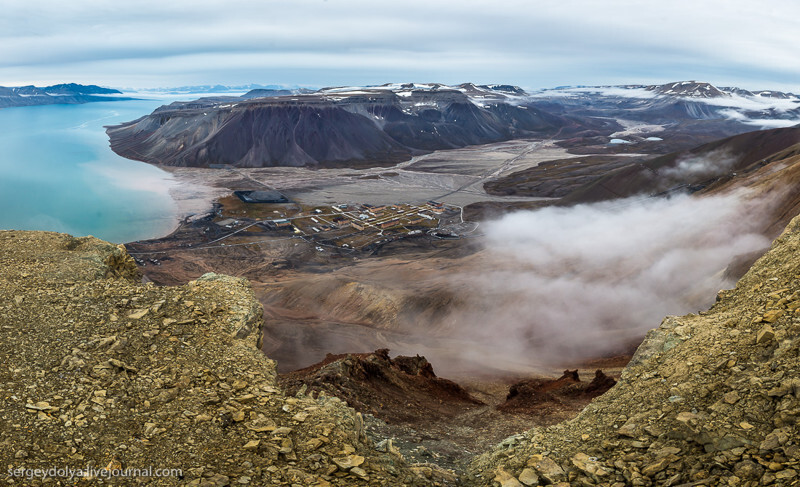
(256, 135)
(101, 371)
(357, 128)
(708, 399)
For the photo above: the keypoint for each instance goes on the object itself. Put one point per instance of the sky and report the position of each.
(316, 43)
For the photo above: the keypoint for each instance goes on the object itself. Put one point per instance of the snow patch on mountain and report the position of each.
(765, 109)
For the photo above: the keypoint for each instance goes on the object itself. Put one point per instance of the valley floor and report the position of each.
(290, 273)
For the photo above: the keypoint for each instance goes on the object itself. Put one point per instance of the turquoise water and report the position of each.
(58, 173)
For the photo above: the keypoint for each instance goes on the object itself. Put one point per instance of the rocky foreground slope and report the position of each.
(101, 371)
(708, 399)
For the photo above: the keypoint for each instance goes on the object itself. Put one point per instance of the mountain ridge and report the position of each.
(64, 93)
(367, 126)
(333, 126)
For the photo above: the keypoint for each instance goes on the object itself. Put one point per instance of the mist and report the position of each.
(565, 284)
(698, 168)
(544, 290)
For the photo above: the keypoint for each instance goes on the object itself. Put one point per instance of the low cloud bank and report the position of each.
(562, 284)
(762, 123)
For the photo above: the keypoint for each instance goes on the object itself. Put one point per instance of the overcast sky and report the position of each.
(531, 43)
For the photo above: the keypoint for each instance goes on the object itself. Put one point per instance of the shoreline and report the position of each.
(195, 190)
(192, 198)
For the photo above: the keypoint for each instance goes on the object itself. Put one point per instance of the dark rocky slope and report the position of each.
(694, 169)
(600, 178)
(402, 389)
(373, 127)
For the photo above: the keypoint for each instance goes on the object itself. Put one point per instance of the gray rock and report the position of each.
(765, 335)
(529, 477)
(505, 479)
(348, 462)
(547, 469)
(748, 470)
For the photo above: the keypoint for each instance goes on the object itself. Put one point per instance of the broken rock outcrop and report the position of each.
(537, 396)
(101, 371)
(403, 389)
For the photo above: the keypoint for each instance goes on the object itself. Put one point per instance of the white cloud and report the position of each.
(561, 284)
(698, 168)
(601, 90)
(755, 103)
(532, 43)
(761, 123)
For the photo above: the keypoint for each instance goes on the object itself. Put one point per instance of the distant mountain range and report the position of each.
(697, 89)
(216, 89)
(69, 93)
(686, 89)
(382, 125)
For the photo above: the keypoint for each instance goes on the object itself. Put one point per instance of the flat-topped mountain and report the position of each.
(65, 89)
(333, 126)
(68, 93)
